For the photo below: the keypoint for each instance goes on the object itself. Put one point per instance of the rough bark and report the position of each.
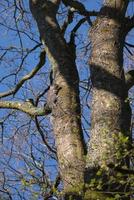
(66, 106)
(111, 113)
(25, 107)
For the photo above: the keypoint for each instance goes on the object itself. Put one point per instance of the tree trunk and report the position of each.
(111, 113)
(66, 112)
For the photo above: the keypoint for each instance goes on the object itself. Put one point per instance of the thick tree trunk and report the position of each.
(111, 114)
(66, 105)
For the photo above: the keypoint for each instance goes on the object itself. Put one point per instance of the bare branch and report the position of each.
(68, 21)
(43, 138)
(26, 107)
(81, 21)
(129, 51)
(129, 24)
(79, 7)
(129, 77)
(27, 77)
(121, 170)
(130, 45)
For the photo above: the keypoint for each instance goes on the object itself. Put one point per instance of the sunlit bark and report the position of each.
(111, 113)
(66, 107)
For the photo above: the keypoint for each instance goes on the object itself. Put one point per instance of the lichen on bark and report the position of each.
(111, 114)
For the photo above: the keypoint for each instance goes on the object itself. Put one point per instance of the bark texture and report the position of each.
(66, 104)
(111, 113)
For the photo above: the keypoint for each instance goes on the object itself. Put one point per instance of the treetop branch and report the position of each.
(68, 21)
(79, 7)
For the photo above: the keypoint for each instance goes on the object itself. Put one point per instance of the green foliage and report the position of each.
(115, 178)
